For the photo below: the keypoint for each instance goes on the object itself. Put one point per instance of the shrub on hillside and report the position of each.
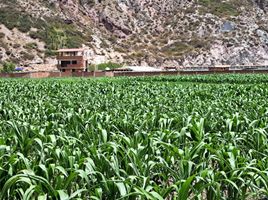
(50, 53)
(11, 18)
(228, 8)
(31, 45)
(53, 31)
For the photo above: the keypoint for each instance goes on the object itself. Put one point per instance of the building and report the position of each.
(220, 68)
(139, 69)
(72, 60)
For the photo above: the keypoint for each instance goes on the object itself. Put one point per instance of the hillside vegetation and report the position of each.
(162, 32)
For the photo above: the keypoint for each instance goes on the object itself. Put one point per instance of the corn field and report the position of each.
(187, 137)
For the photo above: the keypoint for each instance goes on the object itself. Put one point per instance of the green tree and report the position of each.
(104, 66)
(109, 65)
(8, 67)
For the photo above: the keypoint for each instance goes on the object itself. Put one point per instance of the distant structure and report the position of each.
(73, 60)
(138, 69)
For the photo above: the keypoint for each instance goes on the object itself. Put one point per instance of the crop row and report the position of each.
(134, 138)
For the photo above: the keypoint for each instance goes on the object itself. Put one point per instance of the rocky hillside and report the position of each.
(153, 32)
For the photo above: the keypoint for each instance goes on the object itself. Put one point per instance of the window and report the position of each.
(74, 62)
(65, 63)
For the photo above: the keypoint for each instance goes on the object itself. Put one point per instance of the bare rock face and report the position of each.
(262, 4)
(3, 55)
(153, 32)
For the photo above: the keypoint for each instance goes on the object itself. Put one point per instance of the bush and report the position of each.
(37, 35)
(219, 8)
(50, 53)
(91, 67)
(31, 45)
(8, 67)
(176, 49)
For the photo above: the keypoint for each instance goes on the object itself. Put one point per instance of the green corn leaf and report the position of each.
(29, 192)
(42, 197)
(63, 195)
(184, 190)
(122, 189)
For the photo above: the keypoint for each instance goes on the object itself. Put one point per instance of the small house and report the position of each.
(72, 60)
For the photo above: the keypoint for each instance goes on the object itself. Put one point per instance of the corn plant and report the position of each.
(187, 137)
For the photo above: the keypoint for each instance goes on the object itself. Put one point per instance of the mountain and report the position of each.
(153, 32)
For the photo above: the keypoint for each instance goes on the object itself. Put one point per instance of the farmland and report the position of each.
(187, 137)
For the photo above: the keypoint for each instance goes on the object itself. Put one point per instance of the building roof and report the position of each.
(120, 69)
(71, 50)
(222, 66)
(142, 68)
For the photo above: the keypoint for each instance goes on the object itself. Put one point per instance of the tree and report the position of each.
(8, 67)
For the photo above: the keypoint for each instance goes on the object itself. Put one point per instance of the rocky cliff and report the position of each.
(153, 32)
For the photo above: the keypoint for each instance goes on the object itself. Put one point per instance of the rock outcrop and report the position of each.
(153, 32)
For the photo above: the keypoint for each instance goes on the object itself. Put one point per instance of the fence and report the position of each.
(43, 74)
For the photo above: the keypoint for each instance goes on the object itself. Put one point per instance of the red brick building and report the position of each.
(72, 60)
